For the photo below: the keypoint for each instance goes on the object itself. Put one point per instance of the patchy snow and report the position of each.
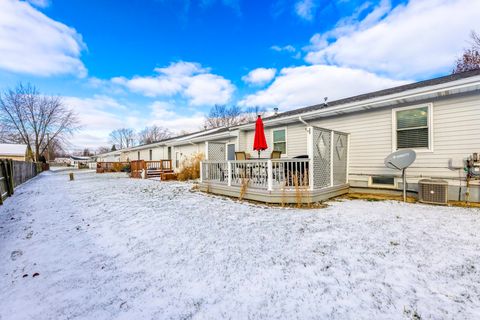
(108, 247)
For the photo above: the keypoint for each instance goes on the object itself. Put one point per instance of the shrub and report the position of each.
(117, 167)
(191, 168)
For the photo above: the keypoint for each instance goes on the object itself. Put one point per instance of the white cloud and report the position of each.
(287, 48)
(260, 76)
(163, 114)
(98, 116)
(419, 39)
(32, 43)
(187, 79)
(40, 3)
(307, 85)
(306, 9)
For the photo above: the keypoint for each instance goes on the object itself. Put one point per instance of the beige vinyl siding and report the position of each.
(456, 132)
(296, 141)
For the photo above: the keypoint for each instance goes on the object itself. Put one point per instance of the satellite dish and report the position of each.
(400, 159)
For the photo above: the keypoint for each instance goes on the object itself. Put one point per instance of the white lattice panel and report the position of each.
(216, 151)
(340, 153)
(321, 157)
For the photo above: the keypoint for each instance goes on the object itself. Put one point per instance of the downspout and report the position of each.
(303, 121)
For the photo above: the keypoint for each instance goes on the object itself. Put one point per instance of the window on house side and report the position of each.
(412, 128)
(280, 141)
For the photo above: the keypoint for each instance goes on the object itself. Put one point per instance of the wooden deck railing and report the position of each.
(151, 168)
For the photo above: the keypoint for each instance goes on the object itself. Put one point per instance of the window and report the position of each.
(150, 155)
(138, 155)
(412, 126)
(280, 140)
(382, 181)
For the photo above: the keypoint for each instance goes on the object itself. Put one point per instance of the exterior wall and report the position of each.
(182, 152)
(17, 158)
(296, 141)
(456, 132)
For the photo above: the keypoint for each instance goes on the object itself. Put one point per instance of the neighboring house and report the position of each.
(112, 156)
(178, 149)
(13, 151)
(79, 161)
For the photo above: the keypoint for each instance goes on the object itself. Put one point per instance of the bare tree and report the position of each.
(123, 138)
(470, 59)
(33, 119)
(251, 113)
(87, 153)
(153, 134)
(223, 116)
(103, 149)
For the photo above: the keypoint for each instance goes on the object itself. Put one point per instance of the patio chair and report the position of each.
(276, 154)
(240, 155)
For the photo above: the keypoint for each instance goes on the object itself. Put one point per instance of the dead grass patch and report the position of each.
(191, 168)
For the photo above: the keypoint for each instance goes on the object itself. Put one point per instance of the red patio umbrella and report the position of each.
(259, 142)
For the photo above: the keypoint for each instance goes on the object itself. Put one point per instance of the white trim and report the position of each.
(226, 150)
(348, 159)
(384, 186)
(430, 127)
(332, 142)
(371, 103)
(285, 155)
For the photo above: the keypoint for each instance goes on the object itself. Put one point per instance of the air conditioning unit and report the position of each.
(433, 191)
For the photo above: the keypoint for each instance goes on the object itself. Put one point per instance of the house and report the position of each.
(438, 118)
(79, 161)
(112, 156)
(13, 151)
(337, 147)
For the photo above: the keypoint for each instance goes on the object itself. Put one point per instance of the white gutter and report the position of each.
(463, 83)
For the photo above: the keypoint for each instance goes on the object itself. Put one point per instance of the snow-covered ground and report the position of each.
(108, 247)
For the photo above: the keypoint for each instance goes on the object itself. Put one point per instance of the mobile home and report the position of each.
(439, 119)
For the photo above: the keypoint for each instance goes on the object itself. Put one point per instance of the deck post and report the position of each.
(269, 175)
(201, 171)
(229, 172)
(331, 156)
(310, 157)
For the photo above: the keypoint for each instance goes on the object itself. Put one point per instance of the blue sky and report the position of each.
(166, 62)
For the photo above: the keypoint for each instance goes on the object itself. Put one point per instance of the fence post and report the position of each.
(269, 175)
(201, 171)
(311, 157)
(229, 170)
(11, 173)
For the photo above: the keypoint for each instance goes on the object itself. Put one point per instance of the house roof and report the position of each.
(377, 94)
(13, 149)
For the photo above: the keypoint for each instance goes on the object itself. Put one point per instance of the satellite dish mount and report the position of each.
(401, 160)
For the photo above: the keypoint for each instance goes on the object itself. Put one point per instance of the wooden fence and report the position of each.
(103, 167)
(14, 173)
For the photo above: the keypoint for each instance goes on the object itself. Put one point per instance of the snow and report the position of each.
(13, 149)
(109, 247)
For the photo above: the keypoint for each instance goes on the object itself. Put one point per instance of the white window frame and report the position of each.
(379, 185)
(286, 140)
(429, 121)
